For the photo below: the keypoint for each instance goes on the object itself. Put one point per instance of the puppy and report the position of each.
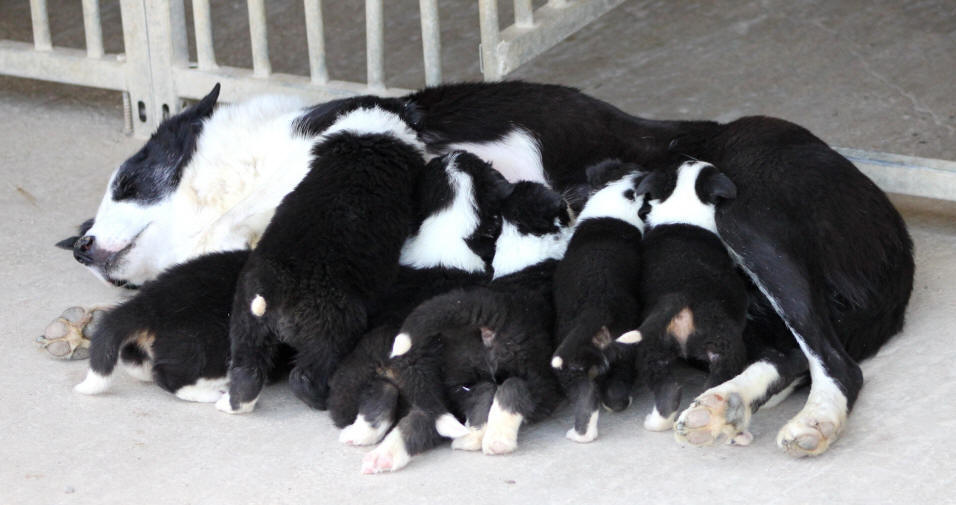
(695, 300)
(174, 331)
(331, 248)
(460, 196)
(596, 295)
(497, 339)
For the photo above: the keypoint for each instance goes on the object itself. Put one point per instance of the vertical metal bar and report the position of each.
(205, 53)
(375, 44)
(260, 44)
(92, 28)
(559, 4)
(315, 35)
(431, 41)
(488, 18)
(524, 13)
(41, 25)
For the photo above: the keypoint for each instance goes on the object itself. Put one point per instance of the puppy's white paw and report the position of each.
(656, 422)
(224, 405)
(93, 384)
(471, 441)
(361, 432)
(589, 435)
(501, 432)
(389, 456)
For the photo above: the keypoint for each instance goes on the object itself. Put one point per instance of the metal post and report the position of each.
(92, 28)
(488, 18)
(41, 25)
(315, 35)
(431, 41)
(205, 53)
(260, 43)
(375, 44)
(524, 13)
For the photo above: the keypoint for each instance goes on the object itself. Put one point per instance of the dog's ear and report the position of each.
(204, 107)
(712, 185)
(647, 185)
(67, 243)
(577, 196)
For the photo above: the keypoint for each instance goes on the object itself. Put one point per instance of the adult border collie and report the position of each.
(210, 179)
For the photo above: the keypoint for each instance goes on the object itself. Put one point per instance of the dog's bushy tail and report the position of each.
(478, 308)
(119, 327)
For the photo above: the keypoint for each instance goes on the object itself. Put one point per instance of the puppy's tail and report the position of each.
(584, 344)
(668, 313)
(118, 327)
(476, 308)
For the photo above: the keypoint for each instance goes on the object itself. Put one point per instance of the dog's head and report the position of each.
(612, 189)
(536, 224)
(122, 244)
(688, 195)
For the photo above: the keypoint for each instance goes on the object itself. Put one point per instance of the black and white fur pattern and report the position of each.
(497, 340)
(311, 282)
(175, 331)
(451, 249)
(695, 301)
(596, 296)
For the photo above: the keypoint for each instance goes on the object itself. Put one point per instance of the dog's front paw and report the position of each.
(389, 456)
(362, 432)
(811, 432)
(224, 404)
(67, 336)
(713, 416)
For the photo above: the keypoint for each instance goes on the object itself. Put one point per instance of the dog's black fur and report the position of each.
(331, 248)
(177, 324)
(514, 316)
(596, 295)
(383, 390)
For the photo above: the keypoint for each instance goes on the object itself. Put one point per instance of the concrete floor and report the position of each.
(874, 75)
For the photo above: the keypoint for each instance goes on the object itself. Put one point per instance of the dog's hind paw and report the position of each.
(362, 432)
(389, 456)
(714, 416)
(67, 336)
(808, 434)
(471, 441)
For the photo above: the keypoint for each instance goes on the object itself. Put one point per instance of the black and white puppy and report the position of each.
(695, 301)
(596, 295)
(174, 331)
(452, 249)
(331, 249)
(497, 339)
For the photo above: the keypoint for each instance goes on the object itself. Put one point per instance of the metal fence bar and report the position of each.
(524, 13)
(375, 44)
(92, 28)
(202, 23)
(41, 25)
(488, 20)
(260, 43)
(431, 41)
(315, 37)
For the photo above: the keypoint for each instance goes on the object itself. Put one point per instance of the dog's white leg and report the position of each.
(822, 419)
(589, 435)
(501, 432)
(364, 432)
(204, 390)
(389, 456)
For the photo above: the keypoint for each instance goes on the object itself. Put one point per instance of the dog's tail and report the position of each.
(118, 328)
(476, 308)
(669, 314)
(583, 346)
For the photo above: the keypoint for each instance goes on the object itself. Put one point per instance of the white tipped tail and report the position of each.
(557, 362)
(258, 306)
(94, 383)
(631, 337)
(449, 427)
(402, 344)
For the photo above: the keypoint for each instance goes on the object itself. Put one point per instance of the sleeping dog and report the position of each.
(330, 250)
(460, 196)
(695, 301)
(209, 180)
(596, 295)
(174, 331)
(496, 340)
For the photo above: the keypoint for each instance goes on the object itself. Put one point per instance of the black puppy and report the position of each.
(174, 331)
(331, 248)
(497, 339)
(695, 300)
(596, 295)
(460, 196)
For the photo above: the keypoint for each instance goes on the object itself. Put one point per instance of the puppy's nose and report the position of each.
(81, 249)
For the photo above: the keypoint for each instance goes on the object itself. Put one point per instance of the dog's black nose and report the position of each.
(81, 249)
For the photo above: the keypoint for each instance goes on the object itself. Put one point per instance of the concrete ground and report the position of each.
(865, 74)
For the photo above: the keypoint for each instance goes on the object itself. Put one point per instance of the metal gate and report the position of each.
(155, 74)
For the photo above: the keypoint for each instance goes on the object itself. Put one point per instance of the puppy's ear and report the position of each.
(713, 185)
(85, 227)
(500, 186)
(204, 107)
(647, 184)
(601, 173)
(67, 243)
(577, 196)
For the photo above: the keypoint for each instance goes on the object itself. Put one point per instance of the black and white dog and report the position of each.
(496, 340)
(452, 249)
(331, 249)
(210, 180)
(597, 297)
(695, 301)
